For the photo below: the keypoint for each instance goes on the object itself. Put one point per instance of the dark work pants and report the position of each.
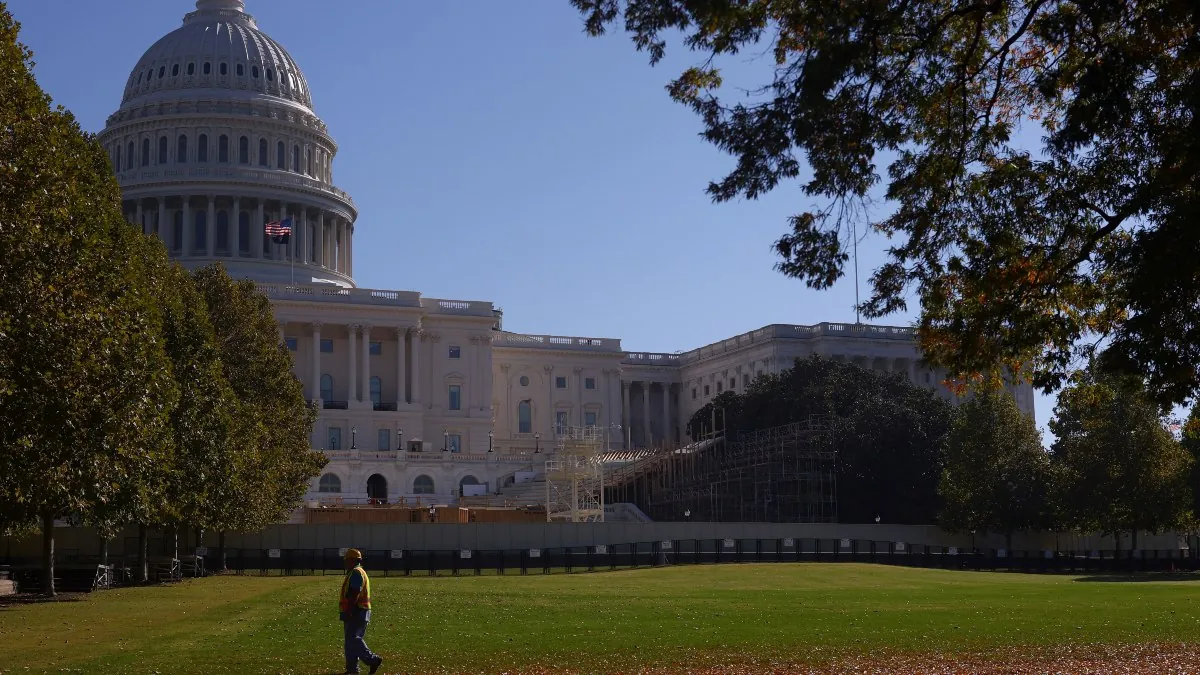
(356, 647)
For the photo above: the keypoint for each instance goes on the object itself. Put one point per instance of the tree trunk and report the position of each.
(1134, 546)
(1008, 541)
(174, 542)
(48, 554)
(143, 563)
(221, 551)
(104, 551)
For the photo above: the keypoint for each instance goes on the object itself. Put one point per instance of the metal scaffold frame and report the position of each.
(575, 477)
(781, 474)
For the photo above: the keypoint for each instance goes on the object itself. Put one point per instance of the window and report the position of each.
(223, 148)
(385, 439)
(145, 152)
(202, 148)
(200, 241)
(746, 380)
(454, 441)
(162, 149)
(162, 70)
(560, 421)
(455, 352)
(308, 161)
(244, 233)
(376, 348)
(327, 387)
(191, 69)
(175, 70)
(524, 381)
(706, 390)
(330, 483)
(241, 70)
(296, 158)
(693, 393)
(326, 346)
(335, 438)
(270, 75)
(524, 418)
(292, 344)
(243, 150)
(117, 158)
(423, 485)
(264, 154)
(455, 397)
(376, 390)
(560, 382)
(589, 419)
(181, 150)
(280, 157)
(223, 230)
(589, 383)
(207, 68)
(719, 387)
(224, 68)
(177, 233)
(254, 72)
(732, 383)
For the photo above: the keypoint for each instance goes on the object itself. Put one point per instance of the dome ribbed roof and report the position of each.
(219, 49)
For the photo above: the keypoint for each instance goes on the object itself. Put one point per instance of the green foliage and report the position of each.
(996, 473)
(1116, 466)
(887, 432)
(275, 459)
(1017, 254)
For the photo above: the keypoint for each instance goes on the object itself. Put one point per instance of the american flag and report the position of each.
(278, 230)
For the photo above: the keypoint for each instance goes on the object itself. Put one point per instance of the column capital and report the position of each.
(353, 328)
(366, 327)
(577, 370)
(401, 331)
(548, 369)
(315, 325)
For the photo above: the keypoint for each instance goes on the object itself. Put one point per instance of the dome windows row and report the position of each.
(307, 159)
(266, 78)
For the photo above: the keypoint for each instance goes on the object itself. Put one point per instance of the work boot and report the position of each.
(375, 666)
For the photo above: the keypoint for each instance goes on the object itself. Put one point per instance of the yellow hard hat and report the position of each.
(353, 554)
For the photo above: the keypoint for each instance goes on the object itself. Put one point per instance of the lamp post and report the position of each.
(445, 440)
(687, 513)
(399, 439)
(537, 443)
(353, 438)
(491, 438)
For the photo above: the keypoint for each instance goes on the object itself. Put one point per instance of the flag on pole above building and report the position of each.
(279, 230)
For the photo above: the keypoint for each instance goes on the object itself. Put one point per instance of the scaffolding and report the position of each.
(575, 477)
(782, 474)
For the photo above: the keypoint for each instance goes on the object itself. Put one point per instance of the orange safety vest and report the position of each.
(363, 599)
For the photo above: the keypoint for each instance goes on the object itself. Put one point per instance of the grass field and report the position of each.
(671, 618)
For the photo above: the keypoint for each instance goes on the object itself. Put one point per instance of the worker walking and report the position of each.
(354, 605)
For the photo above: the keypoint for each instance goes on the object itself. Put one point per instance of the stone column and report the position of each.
(339, 264)
(415, 354)
(185, 246)
(316, 362)
(400, 356)
(256, 232)
(366, 364)
(319, 241)
(302, 243)
(353, 365)
(625, 418)
(210, 229)
(349, 248)
(649, 437)
(162, 218)
(666, 425)
(579, 395)
(138, 216)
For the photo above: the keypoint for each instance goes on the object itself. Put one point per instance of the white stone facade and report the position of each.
(216, 136)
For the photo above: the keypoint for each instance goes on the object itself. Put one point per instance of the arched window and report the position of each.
(175, 70)
(145, 152)
(224, 68)
(207, 68)
(377, 489)
(223, 148)
(177, 232)
(243, 150)
(241, 70)
(200, 240)
(162, 149)
(308, 161)
(330, 483)
(423, 485)
(524, 417)
(376, 389)
(202, 148)
(162, 70)
(130, 158)
(270, 75)
(468, 480)
(264, 155)
(296, 158)
(254, 72)
(280, 157)
(244, 233)
(181, 150)
(327, 387)
(191, 69)
(222, 230)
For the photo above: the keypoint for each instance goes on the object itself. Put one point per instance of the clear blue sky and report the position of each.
(497, 153)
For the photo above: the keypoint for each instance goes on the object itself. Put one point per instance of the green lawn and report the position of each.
(603, 621)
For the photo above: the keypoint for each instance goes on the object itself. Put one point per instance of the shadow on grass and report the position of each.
(1143, 576)
(13, 601)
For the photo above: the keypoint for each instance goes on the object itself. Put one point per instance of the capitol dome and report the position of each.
(215, 138)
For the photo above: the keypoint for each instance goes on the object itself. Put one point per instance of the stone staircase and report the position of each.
(524, 494)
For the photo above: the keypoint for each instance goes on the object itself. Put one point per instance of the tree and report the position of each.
(275, 461)
(996, 474)
(84, 387)
(1117, 467)
(1190, 440)
(1022, 256)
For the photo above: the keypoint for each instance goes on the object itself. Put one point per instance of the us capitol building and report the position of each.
(216, 135)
